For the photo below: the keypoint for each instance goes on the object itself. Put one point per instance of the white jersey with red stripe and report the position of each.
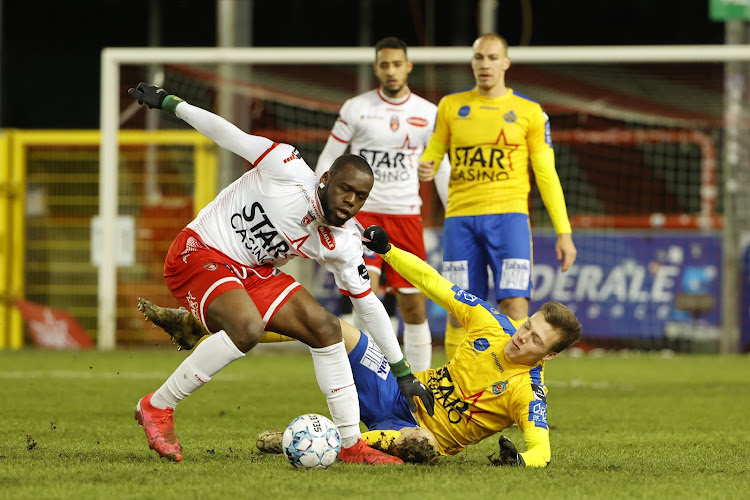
(272, 214)
(391, 135)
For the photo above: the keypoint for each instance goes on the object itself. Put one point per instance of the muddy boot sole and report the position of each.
(179, 324)
(270, 442)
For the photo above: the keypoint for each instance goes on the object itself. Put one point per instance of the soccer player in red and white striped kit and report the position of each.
(390, 127)
(223, 267)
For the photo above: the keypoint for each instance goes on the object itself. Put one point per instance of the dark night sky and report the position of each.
(51, 50)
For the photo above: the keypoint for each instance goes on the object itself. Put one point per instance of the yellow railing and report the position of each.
(60, 168)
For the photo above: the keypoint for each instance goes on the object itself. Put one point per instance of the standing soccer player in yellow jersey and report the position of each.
(492, 134)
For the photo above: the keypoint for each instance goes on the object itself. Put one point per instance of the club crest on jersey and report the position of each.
(307, 219)
(510, 117)
(210, 266)
(394, 122)
(326, 237)
(464, 111)
(499, 387)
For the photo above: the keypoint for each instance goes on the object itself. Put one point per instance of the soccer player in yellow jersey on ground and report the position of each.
(492, 134)
(495, 379)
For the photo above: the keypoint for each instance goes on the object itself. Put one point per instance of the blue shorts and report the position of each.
(381, 404)
(500, 241)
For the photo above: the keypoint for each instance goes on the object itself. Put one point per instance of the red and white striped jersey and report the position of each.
(391, 135)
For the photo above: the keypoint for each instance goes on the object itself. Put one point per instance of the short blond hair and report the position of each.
(493, 36)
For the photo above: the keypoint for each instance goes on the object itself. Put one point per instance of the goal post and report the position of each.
(688, 176)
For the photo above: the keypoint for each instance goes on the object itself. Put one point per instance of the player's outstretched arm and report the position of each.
(216, 128)
(412, 268)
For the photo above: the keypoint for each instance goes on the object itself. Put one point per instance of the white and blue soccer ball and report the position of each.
(311, 441)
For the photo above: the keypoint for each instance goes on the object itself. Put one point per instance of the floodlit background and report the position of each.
(650, 154)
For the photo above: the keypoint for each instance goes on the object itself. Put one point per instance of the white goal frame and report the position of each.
(113, 58)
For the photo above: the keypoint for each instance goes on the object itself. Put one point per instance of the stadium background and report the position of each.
(67, 44)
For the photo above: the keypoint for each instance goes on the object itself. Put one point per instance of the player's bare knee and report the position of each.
(245, 333)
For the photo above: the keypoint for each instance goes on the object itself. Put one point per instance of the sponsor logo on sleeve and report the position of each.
(538, 413)
(294, 156)
(466, 297)
(363, 274)
(539, 393)
(547, 131)
(326, 237)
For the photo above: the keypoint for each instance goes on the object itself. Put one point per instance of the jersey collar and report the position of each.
(317, 206)
(397, 102)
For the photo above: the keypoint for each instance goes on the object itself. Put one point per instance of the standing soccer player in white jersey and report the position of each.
(390, 127)
(224, 268)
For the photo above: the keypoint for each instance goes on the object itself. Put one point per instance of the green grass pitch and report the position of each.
(638, 426)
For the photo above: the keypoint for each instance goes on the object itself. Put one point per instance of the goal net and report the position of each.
(638, 135)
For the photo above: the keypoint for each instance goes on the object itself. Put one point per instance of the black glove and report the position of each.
(508, 454)
(150, 95)
(412, 388)
(376, 239)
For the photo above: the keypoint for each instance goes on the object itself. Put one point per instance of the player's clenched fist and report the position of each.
(376, 239)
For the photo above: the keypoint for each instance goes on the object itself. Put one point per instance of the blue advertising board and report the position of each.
(631, 284)
(624, 284)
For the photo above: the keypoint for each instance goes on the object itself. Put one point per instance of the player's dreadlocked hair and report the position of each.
(564, 321)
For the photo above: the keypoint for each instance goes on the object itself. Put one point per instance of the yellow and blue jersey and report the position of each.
(480, 391)
(491, 142)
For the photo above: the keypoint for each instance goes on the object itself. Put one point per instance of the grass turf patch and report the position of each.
(640, 426)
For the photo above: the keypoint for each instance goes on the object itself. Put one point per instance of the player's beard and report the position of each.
(393, 93)
(331, 218)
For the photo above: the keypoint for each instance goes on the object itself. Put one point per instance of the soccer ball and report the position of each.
(311, 441)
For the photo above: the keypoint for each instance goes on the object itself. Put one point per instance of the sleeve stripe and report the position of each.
(536, 375)
(339, 139)
(357, 295)
(265, 153)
